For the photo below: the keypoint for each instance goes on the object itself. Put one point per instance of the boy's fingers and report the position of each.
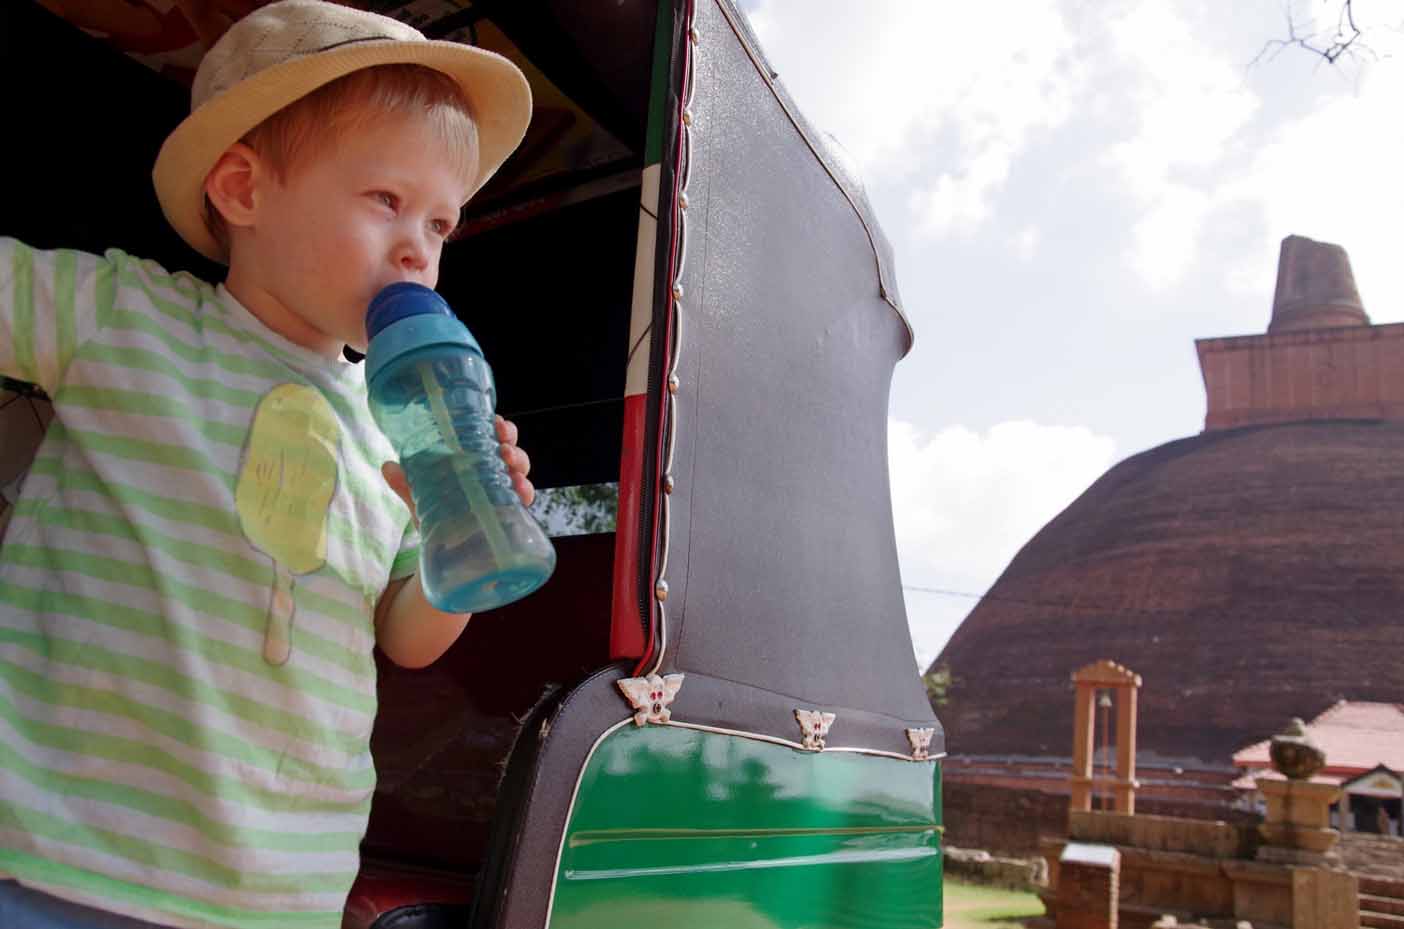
(506, 431)
(524, 488)
(517, 460)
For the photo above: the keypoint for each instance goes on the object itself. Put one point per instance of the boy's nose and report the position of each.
(412, 254)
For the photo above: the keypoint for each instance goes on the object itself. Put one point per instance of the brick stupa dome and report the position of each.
(1251, 573)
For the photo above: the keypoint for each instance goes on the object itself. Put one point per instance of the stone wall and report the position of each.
(1008, 821)
(1375, 855)
(1001, 820)
(1213, 839)
(1291, 376)
(980, 867)
(1211, 787)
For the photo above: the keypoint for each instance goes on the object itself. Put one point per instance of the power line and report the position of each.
(1047, 604)
(1082, 607)
(1050, 604)
(946, 592)
(943, 591)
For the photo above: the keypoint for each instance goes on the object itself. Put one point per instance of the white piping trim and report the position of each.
(875, 751)
(819, 156)
(676, 268)
(755, 736)
(776, 740)
(662, 626)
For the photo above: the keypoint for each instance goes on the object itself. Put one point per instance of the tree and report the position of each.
(1346, 39)
(938, 684)
(579, 510)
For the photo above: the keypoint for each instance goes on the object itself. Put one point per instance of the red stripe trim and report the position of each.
(626, 636)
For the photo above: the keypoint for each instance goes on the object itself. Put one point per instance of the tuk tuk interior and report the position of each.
(546, 273)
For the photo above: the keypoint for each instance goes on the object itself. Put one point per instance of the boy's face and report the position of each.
(372, 208)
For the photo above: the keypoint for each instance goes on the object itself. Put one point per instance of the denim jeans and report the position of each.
(23, 908)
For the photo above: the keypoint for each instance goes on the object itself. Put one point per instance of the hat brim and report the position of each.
(495, 88)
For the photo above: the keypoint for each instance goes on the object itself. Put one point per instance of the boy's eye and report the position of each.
(442, 227)
(387, 198)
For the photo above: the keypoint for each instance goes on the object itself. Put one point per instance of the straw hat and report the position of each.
(287, 49)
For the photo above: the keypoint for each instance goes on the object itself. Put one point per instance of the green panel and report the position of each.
(658, 86)
(683, 828)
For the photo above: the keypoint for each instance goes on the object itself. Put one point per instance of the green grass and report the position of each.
(972, 906)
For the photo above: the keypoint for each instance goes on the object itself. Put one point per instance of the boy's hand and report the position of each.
(518, 464)
(409, 629)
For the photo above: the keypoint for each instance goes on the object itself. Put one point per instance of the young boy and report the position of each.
(206, 550)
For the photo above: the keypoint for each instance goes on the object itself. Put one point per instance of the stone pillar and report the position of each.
(1292, 882)
(1297, 827)
(1089, 878)
(1126, 750)
(1082, 748)
(1323, 899)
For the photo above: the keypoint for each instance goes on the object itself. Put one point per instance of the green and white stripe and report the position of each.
(152, 761)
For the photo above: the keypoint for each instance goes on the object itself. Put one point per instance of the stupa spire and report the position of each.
(1315, 288)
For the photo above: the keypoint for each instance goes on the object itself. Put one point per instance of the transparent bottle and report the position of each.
(432, 394)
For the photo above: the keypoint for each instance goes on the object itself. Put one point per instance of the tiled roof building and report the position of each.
(1356, 738)
(1364, 748)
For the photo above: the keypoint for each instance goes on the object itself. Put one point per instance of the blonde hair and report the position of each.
(306, 127)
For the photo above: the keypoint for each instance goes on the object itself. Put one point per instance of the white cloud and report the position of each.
(1189, 102)
(960, 201)
(1329, 172)
(1333, 174)
(964, 503)
(1164, 239)
(893, 76)
(1026, 242)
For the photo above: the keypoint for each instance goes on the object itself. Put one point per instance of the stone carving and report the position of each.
(1294, 754)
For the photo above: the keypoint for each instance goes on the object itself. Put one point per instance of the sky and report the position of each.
(1075, 192)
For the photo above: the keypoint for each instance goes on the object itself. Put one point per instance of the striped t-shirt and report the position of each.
(186, 597)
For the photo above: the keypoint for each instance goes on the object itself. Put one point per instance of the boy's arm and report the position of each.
(51, 302)
(408, 628)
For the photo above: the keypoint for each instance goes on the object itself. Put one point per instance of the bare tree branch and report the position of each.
(1345, 41)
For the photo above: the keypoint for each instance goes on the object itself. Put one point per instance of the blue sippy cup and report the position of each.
(432, 394)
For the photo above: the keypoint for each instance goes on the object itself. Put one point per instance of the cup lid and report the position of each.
(399, 300)
(407, 317)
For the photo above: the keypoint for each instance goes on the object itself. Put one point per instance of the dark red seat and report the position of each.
(390, 897)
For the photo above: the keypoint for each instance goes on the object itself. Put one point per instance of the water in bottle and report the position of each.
(432, 394)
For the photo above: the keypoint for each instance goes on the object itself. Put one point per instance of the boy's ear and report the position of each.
(232, 184)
